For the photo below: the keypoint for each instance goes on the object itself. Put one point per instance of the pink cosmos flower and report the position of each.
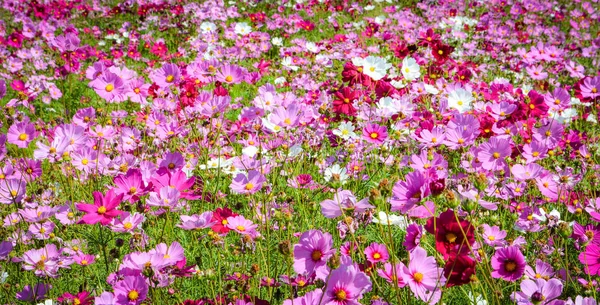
(12, 190)
(103, 210)
(508, 264)
(344, 201)
(377, 253)
(242, 225)
(110, 87)
(131, 185)
(197, 222)
(391, 273)
(406, 194)
(21, 134)
(346, 285)
(536, 72)
(375, 134)
(44, 261)
(493, 236)
(250, 184)
(169, 74)
(423, 276)
(590, 258)
(493, 153)
(538, 292)
(312, 252)
(230, 74)
(132, 290)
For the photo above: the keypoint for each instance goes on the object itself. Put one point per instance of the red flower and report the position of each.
(343, 103)
(451, 236)
(428, 38)
(458, 270)
(441, 52)
(220, 216)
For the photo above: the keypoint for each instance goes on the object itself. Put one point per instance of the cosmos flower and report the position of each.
(103, 210)
(375, 67)
(21, 134)
(423, 276)
(410, 69)
(247, 184)
(375, 134)
(508, 264)
(460, 99)
(346, 285)
(312, 252)
(132, 290)
(538, 291)
(377, 253)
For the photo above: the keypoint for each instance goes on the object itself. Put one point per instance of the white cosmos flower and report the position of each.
(564, 116)
(375, 67)
(431, 89)
(288, 63)
(47, 302)
(390, 220)
(271, 126)
(460, 99)
(242, 28)
(277, 41)
(369, 7)
(312, 47)
(216, 163)
(280, 80)
(345, 131)
(358, 61)
(410, 69)
(336, 172)
(380, 19)
(250, 151)
(207, 27)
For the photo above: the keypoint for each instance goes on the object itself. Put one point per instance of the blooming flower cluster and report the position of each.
(300, 152)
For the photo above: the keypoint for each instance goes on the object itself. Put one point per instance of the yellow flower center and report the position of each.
(101, 210)
(241, 228)
(109, 87)
(316, 255)
(23, 137)
(418, 276)
(84, 262)
(535, 154)
(374, 135)
(170, 78)
(496, 155)
(84, 161)
(128, 225)
(229, 78)
(249, 186)
(372, 69)
(491, 238)
(451, 237)
(133, 295)
(341, 295)
(376, 255)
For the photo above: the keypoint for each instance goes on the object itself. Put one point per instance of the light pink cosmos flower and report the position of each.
(21, 134)
(344, 201)
(423, 276)
(312, 252)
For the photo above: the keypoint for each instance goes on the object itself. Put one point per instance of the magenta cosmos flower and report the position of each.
(377, 253)
(131, 185)
(406, 194)
(423, 276)
(346, 285)
(250, 184)
(374, 133)
(590, 258)
(21, 134)
(312, 252)
(132, 290)
(508, 264)
(103, 210)
(230, 74)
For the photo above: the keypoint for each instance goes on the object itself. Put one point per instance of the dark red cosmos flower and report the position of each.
(458, 270)
(306, 25)
(486, 123)
(441, 52)
(15, 40)
(354, 75)
(434, 72)
(220, 216)
(188, 93)
(428, 38)
(463, 75)
(451, 236)
(343, 102)
(537, 106)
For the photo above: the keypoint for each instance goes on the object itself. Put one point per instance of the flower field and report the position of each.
(304, 152)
